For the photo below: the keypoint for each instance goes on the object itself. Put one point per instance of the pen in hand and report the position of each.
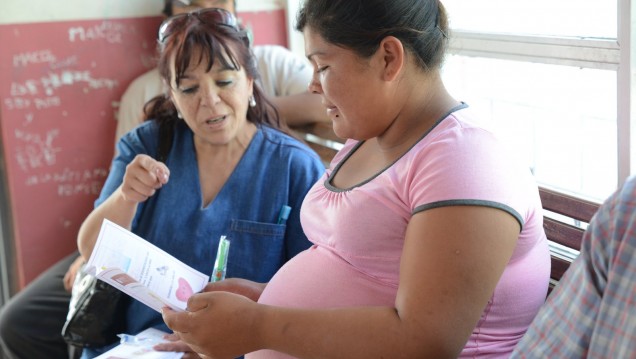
(220, 264)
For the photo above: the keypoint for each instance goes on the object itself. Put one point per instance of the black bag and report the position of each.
(95, 317)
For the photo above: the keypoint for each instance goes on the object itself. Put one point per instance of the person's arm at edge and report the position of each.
(285, 77)
(71, 273)
(578, 295)
(300, 109)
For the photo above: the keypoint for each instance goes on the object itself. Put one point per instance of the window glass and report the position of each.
(562, 119)
(577, 18)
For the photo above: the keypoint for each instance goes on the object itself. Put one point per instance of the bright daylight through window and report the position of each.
(544, 74)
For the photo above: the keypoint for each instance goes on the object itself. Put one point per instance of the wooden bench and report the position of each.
(565, 219)
(565, 216)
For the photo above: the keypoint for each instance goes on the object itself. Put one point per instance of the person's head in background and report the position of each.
(173, 7)
(210, 71)
(361, 29)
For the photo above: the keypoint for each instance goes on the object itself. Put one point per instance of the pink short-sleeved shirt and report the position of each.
(358, 233)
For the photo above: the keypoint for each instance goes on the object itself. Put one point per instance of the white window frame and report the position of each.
(618, 55)
(294, 38)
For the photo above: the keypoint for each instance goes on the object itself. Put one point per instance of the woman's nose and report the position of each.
(314, 84)
(211, 96)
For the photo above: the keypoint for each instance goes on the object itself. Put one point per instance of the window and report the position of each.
(573, 18)
(561, 118)
(554, 79)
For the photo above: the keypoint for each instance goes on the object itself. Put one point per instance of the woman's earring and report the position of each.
(252, 101)
(179, 115)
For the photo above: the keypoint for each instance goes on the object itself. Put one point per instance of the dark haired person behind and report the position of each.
(230, 169)
(427, 232)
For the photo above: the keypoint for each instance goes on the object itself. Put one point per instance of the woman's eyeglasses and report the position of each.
(207, 15)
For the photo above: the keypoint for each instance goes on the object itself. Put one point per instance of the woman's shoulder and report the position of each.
(461, 119)
(141, 139)
(463, 159)
(462, 133)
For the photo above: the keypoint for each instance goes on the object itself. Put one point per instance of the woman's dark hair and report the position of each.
(216, 42)
(360, 25)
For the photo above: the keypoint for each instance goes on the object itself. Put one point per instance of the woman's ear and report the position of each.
(167, 89)
(250, 85)
(169, 94)
(393, 55)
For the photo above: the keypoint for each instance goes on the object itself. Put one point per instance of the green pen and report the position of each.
(220, 264)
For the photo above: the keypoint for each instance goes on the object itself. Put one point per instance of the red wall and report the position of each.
(59, 83)
(269, 27)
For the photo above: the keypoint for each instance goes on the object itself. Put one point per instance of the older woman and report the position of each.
(229, 171)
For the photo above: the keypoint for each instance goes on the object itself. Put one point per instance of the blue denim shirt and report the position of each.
(275, 170)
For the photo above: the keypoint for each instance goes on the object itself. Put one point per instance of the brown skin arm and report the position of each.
(452, 260)
(300, 109)
(71, 273)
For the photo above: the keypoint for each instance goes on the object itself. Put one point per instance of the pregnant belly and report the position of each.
(319, 278)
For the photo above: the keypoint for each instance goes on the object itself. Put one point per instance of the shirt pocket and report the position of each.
(257, 249)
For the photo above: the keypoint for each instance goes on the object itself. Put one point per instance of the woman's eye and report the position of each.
(321, 69)
(189, 90)
(223, 83)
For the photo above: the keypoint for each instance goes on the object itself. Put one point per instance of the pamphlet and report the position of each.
(142, 270)
(140, 346)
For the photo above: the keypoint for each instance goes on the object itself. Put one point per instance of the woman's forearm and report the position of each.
(116, 209)
(365, 332)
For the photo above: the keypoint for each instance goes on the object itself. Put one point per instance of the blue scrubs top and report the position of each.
(276, 170)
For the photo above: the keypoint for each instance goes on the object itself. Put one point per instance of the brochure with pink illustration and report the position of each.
(142, 270)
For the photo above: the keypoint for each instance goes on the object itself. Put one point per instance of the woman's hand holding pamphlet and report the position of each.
(142, 270)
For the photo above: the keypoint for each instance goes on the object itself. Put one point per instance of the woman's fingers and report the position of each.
(144, 175)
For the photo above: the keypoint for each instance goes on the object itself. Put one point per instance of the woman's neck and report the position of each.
(228, 151)
(423, 100)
